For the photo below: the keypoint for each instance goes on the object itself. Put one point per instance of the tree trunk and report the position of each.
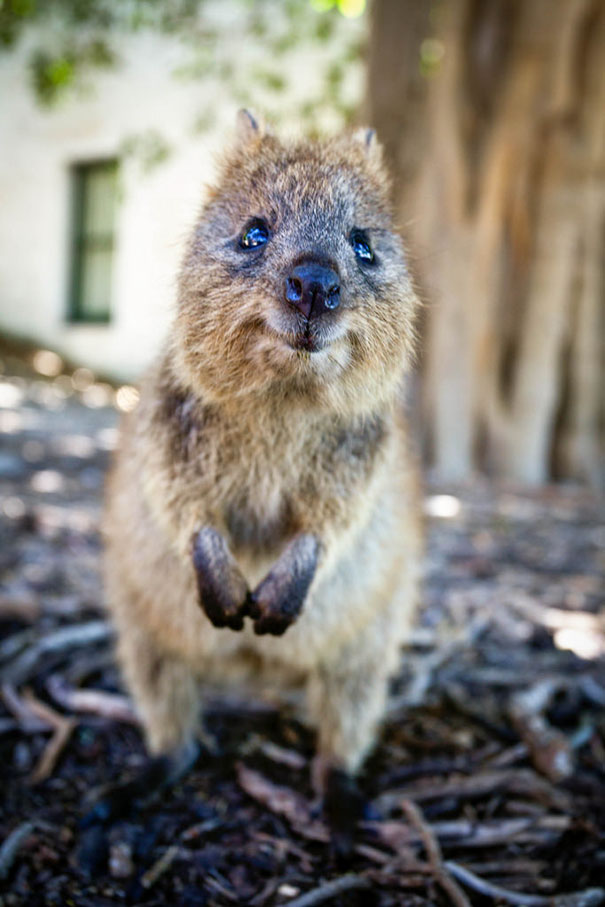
(493, 115)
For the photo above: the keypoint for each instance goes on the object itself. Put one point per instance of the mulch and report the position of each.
(488, 784)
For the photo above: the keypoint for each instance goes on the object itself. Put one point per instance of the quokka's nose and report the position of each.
(312, 288)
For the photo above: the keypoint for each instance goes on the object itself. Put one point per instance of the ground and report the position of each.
(489, 779)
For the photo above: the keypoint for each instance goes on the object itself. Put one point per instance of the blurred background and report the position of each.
(492, 113)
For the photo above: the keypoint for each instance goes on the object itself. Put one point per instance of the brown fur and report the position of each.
(267, 445)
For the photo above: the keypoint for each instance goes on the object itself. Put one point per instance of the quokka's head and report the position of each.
(295, 282)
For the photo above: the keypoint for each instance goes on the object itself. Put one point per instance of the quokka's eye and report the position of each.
(256, 234)
(361, 246)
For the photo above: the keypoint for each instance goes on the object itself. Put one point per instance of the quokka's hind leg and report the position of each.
(346, 701)
(165, 694)
(346, 696)
(164, 689)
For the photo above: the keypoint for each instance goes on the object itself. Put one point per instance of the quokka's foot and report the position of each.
(344, 806)
(123, 798)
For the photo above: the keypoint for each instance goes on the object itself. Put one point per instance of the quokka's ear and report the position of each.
(250, 128)
(367, 139)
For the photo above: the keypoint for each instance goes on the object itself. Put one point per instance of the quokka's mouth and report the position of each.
(305, 342)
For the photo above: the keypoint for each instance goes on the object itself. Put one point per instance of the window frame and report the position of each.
(76, 311)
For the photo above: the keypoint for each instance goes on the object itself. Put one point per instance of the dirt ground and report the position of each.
(489, 780)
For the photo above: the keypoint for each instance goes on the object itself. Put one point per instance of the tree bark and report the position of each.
(492, 112)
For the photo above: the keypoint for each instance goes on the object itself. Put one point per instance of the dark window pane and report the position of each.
(94, 213)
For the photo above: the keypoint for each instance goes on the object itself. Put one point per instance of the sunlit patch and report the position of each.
(10, 422)
(82, 378)
(47, 481)
(351, 9)
(127, 398)
(10, 395)
(13, 508)
(444, 506)
(47, 363)
(107, 438)
(579, 631)
(432, 51)
(97, 395)
(581, 642)
(75, 446)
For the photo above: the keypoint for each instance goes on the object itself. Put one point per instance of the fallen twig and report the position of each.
(282, 800)
(282, 755)
(265, 893)
(63, 727)
(559, 618)
(549, 749)
(435, 857)
(591, 897)
(26, 664)
(330, 890)
(21, 607)
(524, 782)
(193, 832)
(398, 835)
(213, 882)
(592, 690)
(29, 722)
(93, 702)
(508, 757)
(11, 844)
(425, 667)
(513, 867)
(160, 866)
(16, 642)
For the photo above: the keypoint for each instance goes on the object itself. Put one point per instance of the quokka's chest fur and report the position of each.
(261, 476)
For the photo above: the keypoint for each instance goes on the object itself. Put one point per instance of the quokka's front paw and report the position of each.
(223, 591)
(224, 614)
(271, 615)
(278, 600)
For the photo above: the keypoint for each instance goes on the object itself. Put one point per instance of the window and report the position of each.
(94, 188)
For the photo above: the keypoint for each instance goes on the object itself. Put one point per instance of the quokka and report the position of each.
(262, 514)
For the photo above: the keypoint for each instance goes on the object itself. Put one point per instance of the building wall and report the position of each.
(157, 205)
(155, 209)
